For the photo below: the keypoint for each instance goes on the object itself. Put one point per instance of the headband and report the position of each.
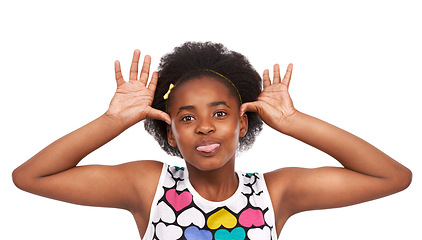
(166, 96)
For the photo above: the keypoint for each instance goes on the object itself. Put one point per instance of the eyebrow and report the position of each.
(212, 104)
(189, 107)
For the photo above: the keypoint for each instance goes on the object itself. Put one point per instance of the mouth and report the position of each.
(208, 149)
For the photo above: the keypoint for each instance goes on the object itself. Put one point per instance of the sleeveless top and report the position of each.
(179, 212)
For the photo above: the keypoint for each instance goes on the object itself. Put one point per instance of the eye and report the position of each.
(220, 114)
(187, 118)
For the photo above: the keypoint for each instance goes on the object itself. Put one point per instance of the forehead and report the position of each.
(202, 90)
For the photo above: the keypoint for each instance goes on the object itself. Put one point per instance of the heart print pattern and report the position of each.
(175, 211)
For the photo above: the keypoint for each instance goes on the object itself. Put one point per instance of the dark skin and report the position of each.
(204, 112)
(198, 118)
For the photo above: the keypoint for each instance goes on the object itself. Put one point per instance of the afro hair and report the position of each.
(186, 62)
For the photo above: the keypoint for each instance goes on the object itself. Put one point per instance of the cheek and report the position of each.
(181, 135)
(231, 131)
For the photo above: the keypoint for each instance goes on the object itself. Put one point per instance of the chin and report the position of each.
(209, 163)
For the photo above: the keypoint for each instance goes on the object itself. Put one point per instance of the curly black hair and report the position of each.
(186, 62)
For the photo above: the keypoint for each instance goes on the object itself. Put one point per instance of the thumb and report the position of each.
(249, 107)
(159, 115)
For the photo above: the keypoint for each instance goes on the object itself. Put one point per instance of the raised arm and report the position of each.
(53, 173)
(368, 173)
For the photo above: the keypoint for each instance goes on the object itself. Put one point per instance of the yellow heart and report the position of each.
(221, 217)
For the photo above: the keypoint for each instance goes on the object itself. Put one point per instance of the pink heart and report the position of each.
(251, 217)
(178, 201)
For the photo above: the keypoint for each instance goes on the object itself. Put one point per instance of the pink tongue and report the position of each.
(208, 148)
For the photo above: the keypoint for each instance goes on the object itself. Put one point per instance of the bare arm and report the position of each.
(53, 173)
(368, 173)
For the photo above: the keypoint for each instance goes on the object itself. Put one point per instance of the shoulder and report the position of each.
(144, 173)
(282, 177)
(278, 184)
(144, 167)
(141, 171)
(144, 177)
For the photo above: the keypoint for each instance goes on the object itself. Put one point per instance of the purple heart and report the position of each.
(193, 233)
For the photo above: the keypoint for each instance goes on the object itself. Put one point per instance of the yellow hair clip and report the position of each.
(168, 92)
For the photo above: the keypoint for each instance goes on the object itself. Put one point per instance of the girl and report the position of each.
(204, 105)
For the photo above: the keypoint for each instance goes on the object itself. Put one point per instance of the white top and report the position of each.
(179, 212)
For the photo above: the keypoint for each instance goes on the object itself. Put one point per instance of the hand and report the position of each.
(274, 103)
(132, 101)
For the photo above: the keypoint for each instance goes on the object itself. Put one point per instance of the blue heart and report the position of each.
(236, 234)
(193, 233)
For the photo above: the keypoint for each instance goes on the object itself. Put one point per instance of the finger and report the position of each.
(134, 66)
(249, 107)
(266, 78)
(159, 115)
(276, 77)
(145, 70)
(153, 83)
(118, 73)
(288, 75)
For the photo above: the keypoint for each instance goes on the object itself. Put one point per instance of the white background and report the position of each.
(357, 65)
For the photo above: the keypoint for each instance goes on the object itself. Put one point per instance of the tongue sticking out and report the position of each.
(208, 148)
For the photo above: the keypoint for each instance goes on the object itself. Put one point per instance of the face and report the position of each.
(206, 123)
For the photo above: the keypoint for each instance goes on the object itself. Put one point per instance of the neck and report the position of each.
(214, 185)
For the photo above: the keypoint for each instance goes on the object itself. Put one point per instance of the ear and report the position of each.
(170, 137)
(243, 125)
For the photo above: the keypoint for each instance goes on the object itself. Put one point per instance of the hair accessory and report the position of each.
(166, 96)
(228, 80)
(168, 92)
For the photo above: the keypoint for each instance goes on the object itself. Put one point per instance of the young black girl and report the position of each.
(204, 105)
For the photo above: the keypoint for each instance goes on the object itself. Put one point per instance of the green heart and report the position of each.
(236, 234)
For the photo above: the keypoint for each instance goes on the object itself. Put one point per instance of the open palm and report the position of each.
(132, 101)
(274, 104)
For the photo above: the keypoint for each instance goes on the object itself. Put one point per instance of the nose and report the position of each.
(205, 127)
